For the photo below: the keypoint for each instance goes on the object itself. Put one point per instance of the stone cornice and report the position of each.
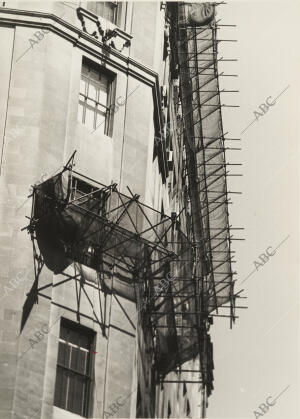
(79, 38)
(87, 43)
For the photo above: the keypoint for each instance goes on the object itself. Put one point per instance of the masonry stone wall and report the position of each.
(39, 131)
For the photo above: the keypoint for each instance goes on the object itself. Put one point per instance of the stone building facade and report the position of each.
(92, 77)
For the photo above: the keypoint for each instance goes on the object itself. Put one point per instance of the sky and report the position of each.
(259, 357)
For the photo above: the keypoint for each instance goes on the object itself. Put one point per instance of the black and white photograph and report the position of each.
(149, 209)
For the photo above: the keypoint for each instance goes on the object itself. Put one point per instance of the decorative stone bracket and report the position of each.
(106, 32)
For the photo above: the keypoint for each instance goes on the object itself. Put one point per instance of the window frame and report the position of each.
(71, 372)
(80, 188)
(84, 98)
(117, 11)
(83, 192)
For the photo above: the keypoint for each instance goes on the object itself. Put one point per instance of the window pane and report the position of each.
(96, 7)
(78, 360)
(91, 103)
(63, 333)
(94, 75)
(83, 85)
(89, 116)
(63, 354)
(85, 341)
(100, 121)
(94, 90)
(76, 394)
(107, 9)
(85, 70)
(61, 386)
(73, 337)
(103, 97)
(104, 81)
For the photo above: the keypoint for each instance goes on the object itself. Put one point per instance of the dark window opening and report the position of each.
(94, 197)
(73, 386)
(94, 200)
(184, 389)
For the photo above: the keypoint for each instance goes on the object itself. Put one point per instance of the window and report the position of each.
(95, 98)
(73, 387)
(93, 198)
(106, 9)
